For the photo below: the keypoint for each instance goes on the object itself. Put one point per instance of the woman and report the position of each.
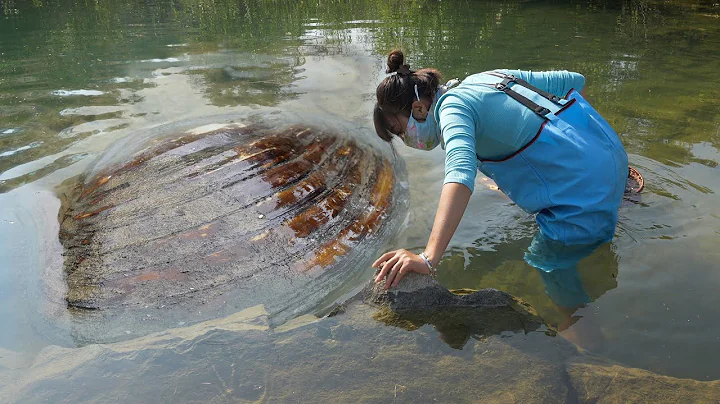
(531, 132)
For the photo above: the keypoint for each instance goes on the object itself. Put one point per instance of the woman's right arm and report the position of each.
(458, 131)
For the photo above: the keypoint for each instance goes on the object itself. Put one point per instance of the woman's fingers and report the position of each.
(393, 273)
(384, 258)
(394, 265)
(400, 274)
(386, 268)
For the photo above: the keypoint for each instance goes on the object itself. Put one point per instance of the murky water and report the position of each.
(76, 77)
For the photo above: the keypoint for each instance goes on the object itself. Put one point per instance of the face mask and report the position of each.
(423, 135)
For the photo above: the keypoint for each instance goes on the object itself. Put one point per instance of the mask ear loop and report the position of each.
(418, 104)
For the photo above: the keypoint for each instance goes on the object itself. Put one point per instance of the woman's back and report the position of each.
(478, 120)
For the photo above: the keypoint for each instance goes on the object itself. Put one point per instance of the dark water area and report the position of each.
(77, 76)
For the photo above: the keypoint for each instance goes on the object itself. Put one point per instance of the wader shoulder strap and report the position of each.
(552, 97)
(538, 109)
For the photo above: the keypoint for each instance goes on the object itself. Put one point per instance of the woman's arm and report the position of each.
(558, 82)
(395, 264)
(453, 202)
(458, 129)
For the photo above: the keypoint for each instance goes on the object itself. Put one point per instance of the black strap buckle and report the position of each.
(541, 110)
(503, 85)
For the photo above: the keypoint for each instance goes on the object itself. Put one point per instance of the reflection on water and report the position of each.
(555, 279)
(75, 78)
(557, 265)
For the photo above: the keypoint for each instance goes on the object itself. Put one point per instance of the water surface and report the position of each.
(75, 77)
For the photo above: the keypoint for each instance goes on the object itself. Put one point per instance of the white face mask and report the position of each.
(424, 135)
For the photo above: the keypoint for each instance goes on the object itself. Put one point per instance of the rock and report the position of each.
(612, 383)
(422, 292)
(345, 358)
(419, 299)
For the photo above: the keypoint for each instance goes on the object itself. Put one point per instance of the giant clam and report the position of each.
(204, 224)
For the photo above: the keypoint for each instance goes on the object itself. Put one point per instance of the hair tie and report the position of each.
(404, 70)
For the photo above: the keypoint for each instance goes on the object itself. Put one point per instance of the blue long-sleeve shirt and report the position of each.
(477, 119)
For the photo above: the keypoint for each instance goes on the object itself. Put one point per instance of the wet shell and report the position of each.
(227, 220)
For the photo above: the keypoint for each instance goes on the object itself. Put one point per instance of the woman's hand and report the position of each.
(396, 264)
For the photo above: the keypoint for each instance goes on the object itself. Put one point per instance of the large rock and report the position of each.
(417, 292)
(458, 315)
(611, 383)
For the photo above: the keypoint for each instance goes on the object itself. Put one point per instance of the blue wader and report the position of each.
(572, 174)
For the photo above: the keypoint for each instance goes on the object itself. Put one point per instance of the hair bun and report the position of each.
(395, 62)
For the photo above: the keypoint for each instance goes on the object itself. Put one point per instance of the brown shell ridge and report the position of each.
(300, 209)
(271, 263)
(170, 165)
(369, 221)
(225, 215)
(208, 190)
(307, 221)
(149, 249)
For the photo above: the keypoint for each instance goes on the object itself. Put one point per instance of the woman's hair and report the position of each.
(396, 93)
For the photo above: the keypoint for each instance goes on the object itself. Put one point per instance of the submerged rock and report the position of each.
(418, 292)
(210, 222)
(457, 315)
(345, 358)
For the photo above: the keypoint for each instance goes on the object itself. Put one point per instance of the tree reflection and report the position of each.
(649, 64)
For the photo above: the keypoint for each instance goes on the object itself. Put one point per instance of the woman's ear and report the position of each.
(419, 111)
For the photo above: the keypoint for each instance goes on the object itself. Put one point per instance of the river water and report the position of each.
(77, 76)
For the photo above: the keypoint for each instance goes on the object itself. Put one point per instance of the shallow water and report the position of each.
(76, 77)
